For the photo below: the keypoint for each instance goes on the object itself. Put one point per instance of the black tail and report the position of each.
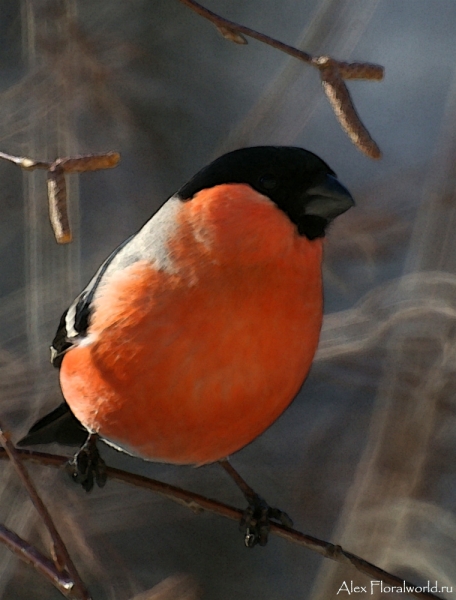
(59, 426)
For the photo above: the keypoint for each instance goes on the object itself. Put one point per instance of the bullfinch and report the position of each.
(198, 331)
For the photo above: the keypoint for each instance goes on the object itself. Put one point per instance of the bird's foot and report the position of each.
(87, 466)
(256, 521)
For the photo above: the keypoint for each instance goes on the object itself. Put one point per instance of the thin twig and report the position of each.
(30, 555)
(63, 561)
(25, 163)
(199, 503)
(57, 195)
(329, 68)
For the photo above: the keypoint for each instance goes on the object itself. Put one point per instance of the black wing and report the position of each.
(76, 319)
(61, 425)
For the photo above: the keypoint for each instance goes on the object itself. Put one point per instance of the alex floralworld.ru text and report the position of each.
(349, 588)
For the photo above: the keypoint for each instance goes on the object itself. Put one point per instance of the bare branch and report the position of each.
(30, 555)
(63, 561)
(332, 73)
(25, 163)
(198, 503)
(231, 35)
(57, 196)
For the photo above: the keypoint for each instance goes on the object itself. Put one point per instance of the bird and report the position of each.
(199, 330)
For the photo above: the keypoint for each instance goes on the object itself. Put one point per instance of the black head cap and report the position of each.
(296, 180)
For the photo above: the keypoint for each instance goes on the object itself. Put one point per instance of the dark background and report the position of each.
(365, 455)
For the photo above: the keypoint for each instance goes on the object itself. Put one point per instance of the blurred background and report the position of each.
(365, 456)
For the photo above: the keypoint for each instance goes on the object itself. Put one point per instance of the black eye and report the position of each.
(268, 182)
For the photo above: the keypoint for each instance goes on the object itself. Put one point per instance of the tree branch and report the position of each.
(65, 575)
(332, 74)
(57, 196)
(31, 556)
(199, 503)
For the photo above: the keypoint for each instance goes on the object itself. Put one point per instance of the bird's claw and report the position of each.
(87, 467)
(256, 521)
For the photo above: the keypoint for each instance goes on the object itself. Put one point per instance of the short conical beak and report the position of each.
(328, 199)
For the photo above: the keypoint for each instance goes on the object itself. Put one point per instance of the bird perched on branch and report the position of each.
(199, 330)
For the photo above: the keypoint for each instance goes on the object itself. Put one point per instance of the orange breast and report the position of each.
(191, 364)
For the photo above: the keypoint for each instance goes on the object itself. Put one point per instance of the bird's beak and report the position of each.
(328, 199)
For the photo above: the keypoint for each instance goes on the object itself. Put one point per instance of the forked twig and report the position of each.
(332, 74)
(57, 196)
(199, 503)
(30, 555)
(61, 572)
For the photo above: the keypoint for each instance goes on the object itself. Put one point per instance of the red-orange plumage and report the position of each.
(187, 364)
